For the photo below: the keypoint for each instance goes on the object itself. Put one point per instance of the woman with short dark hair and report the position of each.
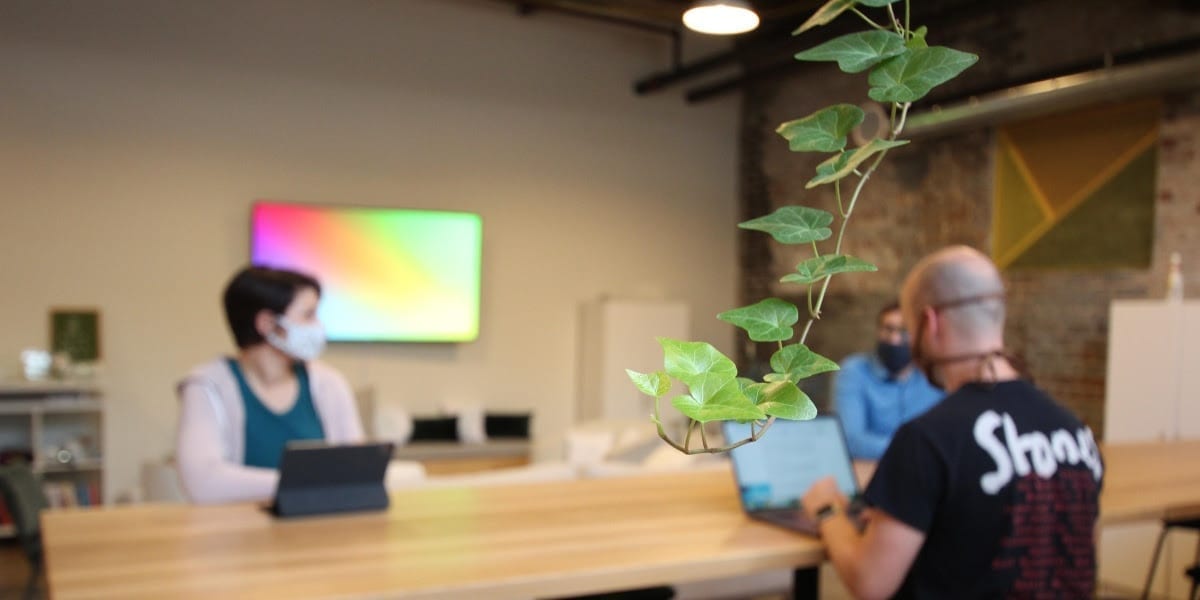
(239, 412)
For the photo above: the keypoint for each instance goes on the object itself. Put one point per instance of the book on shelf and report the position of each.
(5, 516)
(67, 494)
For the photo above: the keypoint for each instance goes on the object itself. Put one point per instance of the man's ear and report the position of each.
(933, 322)
(265, 322)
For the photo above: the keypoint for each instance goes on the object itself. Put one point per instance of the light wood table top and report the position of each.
(1150, 481)
(518, 541)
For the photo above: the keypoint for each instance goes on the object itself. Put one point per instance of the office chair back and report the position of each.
(25, 499)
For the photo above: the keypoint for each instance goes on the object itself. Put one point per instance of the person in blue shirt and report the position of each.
(875, 393)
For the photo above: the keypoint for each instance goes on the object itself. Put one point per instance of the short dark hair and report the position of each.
(256, 288)
(892, 306)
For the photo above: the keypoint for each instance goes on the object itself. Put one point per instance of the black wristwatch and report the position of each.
(825, 512)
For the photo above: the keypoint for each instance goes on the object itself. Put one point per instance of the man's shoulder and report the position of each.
(859, 361)
(967, 403)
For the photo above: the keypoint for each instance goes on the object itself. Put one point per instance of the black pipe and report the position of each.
(528, 8)
(657, 81)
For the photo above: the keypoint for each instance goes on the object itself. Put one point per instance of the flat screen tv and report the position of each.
(387, 275)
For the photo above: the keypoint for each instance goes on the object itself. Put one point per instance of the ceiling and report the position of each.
(666, 13)
(768, 51)
(764, 52)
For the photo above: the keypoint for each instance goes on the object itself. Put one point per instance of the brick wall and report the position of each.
(938, 192)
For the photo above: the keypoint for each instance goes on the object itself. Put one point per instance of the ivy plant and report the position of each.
(901, 69)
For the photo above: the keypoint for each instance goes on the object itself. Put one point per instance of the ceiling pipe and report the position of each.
(528, 8)
(766, 40)
(1059, 94)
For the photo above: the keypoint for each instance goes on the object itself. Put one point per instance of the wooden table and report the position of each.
(1151, 481)
(520, 541)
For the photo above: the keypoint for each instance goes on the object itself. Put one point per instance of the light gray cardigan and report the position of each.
(210, 448)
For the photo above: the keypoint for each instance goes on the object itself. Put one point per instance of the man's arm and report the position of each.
(871, 564)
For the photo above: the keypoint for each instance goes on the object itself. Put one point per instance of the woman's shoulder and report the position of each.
(324, 375)
(213, 371)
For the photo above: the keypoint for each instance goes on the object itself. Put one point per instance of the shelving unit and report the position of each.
(38, 419)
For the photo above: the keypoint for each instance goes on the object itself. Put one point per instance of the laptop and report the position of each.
(773, 473)
(318, 478)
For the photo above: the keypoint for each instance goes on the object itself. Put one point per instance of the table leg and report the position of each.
(806, 583)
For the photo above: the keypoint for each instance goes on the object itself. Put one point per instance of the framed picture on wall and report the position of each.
(76, 332)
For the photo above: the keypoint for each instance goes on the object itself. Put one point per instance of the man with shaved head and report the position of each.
(992, 493)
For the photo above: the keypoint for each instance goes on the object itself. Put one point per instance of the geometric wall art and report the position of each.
(1076, 190)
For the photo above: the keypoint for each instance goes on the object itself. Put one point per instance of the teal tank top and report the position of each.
(267, 433)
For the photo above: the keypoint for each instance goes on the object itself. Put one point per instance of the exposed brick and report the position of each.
(937, 192)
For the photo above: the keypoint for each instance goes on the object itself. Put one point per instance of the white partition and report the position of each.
(619, 335)
(1152, 394)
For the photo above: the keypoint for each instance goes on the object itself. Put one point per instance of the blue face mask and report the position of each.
(895, 357)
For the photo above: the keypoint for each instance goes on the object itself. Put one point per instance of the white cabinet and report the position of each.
(619, 335)
(1152, 394)
(57, 427)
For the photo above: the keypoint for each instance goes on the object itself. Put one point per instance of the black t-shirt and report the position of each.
(1005, 484)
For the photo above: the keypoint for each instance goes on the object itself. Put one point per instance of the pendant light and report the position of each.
(721, 17)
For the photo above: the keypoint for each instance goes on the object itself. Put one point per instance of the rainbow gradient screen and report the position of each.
(387, 275)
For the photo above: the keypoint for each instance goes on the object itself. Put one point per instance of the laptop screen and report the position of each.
(778, 469)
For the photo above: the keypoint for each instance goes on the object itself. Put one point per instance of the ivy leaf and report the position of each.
(822, 131)
(794, 224)
(818, 267)
(770, 320)
(918, 38)
(709, 385)
(689, 362)
(753, 390)
(797, 362)
(726, 403)
(786, 401)
(825, 14)
(909, 76)
(655, 385)
(841, 165)
(857, 52)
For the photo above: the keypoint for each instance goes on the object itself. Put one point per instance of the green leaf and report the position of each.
(822, 131)
(817, 268)
(689, 362)
(918, 38)
(825, 14)
(909, 76)
(857, 52)
(876, 3)
(797, 362)
(839, 166)
(770, 320)
(655, 385)
(754, 391)
(794, 224)
(726, 403)
(786, 401)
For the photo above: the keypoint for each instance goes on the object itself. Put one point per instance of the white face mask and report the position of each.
(304, 341)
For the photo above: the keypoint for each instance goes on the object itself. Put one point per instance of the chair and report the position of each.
(1193, 573)
(25, 499)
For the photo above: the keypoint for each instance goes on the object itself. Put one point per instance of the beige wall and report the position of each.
(135, 135)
